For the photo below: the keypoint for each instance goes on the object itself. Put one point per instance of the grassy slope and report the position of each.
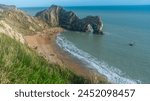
(19, 64)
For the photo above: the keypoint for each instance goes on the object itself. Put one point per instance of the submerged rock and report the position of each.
(58, 16)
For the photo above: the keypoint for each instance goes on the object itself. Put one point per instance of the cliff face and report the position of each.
(50, 15)
(57, 16)
(2, 6)
(15, 23)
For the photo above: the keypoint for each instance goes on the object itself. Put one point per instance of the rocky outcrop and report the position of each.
(50, 15)
(2, 6)
(9, 31)
(58, 16)
(15, 23)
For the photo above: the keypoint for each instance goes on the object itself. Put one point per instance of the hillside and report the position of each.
(15, 23)
(19, 64)
(28, 55)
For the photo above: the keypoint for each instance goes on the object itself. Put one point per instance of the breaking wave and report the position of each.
(113, 75)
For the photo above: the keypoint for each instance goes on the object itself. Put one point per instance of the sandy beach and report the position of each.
(44, 44)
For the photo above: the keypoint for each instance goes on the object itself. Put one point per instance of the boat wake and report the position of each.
(113, 74)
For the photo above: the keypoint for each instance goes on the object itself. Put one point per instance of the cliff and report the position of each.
(36, 60)
(2, 6)
(58, 16)
(20, 63)
(15, 23)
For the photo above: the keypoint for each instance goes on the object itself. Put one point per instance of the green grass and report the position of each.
(21, 65)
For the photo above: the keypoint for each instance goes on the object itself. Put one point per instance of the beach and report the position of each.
(44, 43)
(111, 54)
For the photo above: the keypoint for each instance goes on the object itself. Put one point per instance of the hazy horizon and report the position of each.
(83, 5)
(66, 3)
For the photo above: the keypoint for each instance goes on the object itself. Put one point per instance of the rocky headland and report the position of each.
(39, 33)
(57, 16)
(16, 23)
(2, 6)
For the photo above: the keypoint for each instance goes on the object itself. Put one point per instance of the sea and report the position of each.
(110, 54)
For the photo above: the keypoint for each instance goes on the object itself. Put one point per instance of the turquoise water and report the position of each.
(110, 54)
(32, 10)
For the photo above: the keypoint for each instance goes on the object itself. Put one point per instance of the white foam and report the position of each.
(107, 33)
(113, 75)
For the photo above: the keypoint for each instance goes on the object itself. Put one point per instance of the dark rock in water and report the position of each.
(2, 6)
(57, 16)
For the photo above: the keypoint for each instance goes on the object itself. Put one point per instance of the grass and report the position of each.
(21, 65)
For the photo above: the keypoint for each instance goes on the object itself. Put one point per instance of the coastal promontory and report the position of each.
(57, 16)
(28, 52)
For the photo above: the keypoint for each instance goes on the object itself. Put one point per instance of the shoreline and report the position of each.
(45, 44)
(77, 66)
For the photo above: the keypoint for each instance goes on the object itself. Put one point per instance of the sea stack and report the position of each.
(57, 16)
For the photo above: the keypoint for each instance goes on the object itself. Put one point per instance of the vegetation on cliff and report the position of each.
(19, 64)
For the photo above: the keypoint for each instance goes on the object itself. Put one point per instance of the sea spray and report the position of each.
(113, 74)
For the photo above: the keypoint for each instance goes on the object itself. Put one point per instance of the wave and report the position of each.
(113, 75)
(107, 33)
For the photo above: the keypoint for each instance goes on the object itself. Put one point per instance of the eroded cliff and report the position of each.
(58, 16)
(16, 23)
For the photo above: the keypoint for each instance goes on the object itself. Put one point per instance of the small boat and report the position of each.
(131, 43)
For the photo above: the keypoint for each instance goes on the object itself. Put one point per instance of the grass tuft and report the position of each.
(21, 65)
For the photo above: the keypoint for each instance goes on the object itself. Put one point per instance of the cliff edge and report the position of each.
(16, 23)
(57, 16)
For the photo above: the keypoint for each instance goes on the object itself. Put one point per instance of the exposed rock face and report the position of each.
(57, 16)
(94, 22)
(15, 23)
(50, 15)
(8, 30)
(2, 6)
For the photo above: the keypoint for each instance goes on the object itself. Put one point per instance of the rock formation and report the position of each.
(2, 6)
(15, 23)
(57, 16)
(50, 15)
